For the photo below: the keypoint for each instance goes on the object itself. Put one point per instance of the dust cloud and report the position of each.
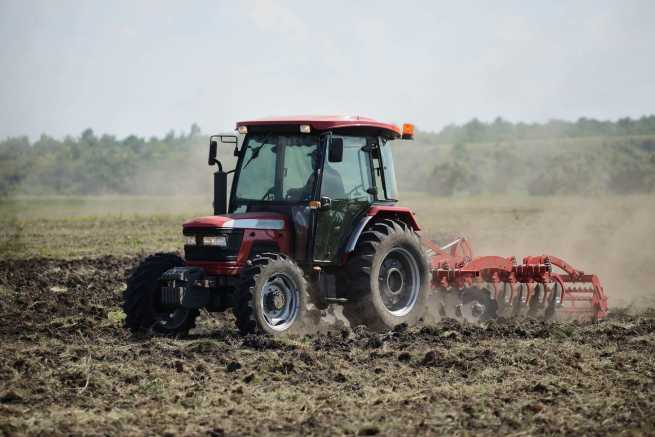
(611, 236)
(188, 175)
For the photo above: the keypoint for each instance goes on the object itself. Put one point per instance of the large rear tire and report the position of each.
(273, 297)
(389, 276)
(141, 301)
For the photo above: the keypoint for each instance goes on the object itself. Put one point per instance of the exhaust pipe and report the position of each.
(220, 192)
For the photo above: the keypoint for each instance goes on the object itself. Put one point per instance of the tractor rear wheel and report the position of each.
(389, 277)
(141, 299)
(273, 296)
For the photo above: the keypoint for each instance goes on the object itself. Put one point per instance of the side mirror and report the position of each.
(213, 146)
(213, 150)
(335, 152)
(231, 139)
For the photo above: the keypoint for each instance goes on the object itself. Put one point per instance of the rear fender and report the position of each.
(378, 212)
(398, 213)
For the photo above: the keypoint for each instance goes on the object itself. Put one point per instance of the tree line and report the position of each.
(476, 131)
(92, 164)
(623, 165)
(584, 156)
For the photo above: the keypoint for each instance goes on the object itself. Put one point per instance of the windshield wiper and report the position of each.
(255, 151)
(255, 154)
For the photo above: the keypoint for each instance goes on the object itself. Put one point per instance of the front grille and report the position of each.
(214, 253)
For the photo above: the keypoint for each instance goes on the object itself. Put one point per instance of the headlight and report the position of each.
(220, 240)
(190, 240)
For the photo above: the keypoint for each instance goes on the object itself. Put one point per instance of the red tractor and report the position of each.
(312, 220)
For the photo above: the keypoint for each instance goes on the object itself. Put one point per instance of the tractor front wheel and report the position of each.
(273, 296)
(141, 299)
(389, 277)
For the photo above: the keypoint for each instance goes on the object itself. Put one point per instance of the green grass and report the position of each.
(74, 227)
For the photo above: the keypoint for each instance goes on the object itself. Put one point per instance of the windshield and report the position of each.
(278, 167)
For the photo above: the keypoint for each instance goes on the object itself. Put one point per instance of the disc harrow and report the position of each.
(488, 287)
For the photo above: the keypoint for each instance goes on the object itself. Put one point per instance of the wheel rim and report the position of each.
(279, 302)
(399, 281)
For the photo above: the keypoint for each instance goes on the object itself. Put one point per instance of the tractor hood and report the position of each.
(251, 220)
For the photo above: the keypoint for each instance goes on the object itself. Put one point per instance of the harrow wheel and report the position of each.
(477, 305)
(141, 301)
(389, 277)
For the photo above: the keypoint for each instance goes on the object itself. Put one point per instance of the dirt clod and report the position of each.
(10, 397)
(369, 430)
(233, 366)
(431, 358)
(404, 357)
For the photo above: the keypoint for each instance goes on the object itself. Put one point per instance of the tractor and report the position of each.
(312, 220)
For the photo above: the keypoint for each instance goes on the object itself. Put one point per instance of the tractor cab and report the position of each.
(321, 175)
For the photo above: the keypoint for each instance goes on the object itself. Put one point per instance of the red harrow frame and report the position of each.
(488, 287)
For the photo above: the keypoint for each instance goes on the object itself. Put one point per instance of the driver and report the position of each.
(332, 183)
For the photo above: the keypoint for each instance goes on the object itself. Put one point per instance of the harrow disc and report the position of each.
(477, 305)
(509, 300)
(449, 302)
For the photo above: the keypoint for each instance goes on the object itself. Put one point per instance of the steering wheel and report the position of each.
(358, 187)
(270, 192)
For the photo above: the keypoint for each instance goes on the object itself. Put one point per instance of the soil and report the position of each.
(68, 367)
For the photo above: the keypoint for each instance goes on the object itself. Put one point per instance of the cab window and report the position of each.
(351, 178)
(390, 186)
(383, 169)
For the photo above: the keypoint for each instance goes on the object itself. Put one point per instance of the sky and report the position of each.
(146, 67)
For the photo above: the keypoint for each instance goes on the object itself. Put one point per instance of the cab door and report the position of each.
(345, 192)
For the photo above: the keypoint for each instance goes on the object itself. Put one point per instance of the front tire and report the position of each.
(273, 297)
(389, 276)
(141, 301)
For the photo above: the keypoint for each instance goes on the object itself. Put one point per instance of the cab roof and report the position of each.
(326, 122)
